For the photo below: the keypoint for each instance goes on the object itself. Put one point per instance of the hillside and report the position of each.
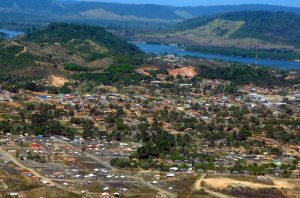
(221, 9)
(83, 37)
(43, 11)
(247, 30)
(278, 27)
(65, 49)
(31, 5)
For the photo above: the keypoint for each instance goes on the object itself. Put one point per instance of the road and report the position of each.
(216, 194)
(22, 166)
(97, 159)
(19, 164)
(25, 49)
(108, 166)
(153, 187)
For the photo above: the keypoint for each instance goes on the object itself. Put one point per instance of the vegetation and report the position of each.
(277, 27)
(274, 34)
(137, 15)
(78, 50)
(75, 67)
(242, 74)
(11, 59)
(276, 54)
(3, 35)
(116, 73)
(56, 33)
(43, 123)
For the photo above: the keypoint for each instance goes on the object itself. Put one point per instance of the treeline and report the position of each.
(233, 51)
(75, 67)
(121, 73)
(3, 35)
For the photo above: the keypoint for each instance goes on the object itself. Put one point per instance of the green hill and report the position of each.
(59, 45)
(83, 38)
(276, 27)
(248, 30)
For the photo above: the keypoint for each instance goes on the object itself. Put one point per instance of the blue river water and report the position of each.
(162, 49)
(11, 34)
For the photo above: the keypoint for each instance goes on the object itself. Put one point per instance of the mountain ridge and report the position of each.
(53, 10)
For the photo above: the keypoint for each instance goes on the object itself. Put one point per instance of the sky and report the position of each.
(293, 3)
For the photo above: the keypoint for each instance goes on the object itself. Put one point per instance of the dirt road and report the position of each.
(22, 166)
(108, 166)
(216, 194)
(19, 164)
(97, 159)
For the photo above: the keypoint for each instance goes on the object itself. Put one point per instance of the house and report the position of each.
(58, 174)
(72, 160)
(27, 173)
(170, 175)
(36, 146)
(105, 195)
(173, 169)
(36, 179)
(15, 195)
(106, 189)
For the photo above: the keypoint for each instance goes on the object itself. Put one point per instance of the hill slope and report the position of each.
(65, 48)
(97, 12)
(31, 5)
(222, 9)
(276, 27)
(73, 33)
(246, 30)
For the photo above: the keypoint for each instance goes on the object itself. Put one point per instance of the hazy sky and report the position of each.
(294, 3)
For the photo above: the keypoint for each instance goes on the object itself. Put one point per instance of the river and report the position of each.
(162, 49)
(11, 33)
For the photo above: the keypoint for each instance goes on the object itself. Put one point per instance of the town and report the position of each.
(172, 131)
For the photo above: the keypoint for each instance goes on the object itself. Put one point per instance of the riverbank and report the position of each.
(273, 54)
(174, 50)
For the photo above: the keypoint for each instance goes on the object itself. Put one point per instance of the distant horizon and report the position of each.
(288, 3)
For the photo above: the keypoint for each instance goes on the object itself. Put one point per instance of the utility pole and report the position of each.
(256, 55)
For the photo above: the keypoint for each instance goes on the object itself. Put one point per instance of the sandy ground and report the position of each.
(57, 81)
(184, 71)
(222, 183)
(145, 70)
